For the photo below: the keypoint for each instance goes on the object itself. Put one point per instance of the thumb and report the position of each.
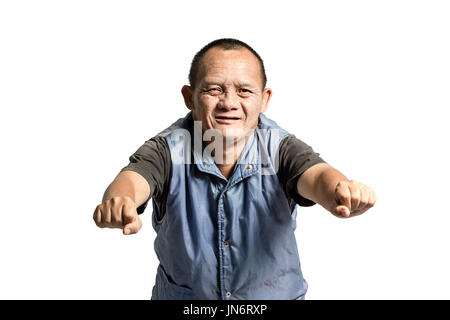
(131, 221)
(343, 199)
(133, 227)
(343, 211)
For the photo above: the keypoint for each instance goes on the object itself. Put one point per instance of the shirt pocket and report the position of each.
(165, 289)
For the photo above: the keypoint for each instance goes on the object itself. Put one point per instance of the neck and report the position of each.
(231, 152)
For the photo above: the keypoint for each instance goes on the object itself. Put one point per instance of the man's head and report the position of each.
(227, 87)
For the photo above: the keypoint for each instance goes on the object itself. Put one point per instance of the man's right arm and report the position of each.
(123, 196)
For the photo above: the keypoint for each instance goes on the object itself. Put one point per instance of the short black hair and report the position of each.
(226, 44)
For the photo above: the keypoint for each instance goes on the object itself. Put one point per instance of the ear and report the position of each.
(187, 93)
(266, 95)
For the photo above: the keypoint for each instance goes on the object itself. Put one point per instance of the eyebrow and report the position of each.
(244, 84)
(239, 84)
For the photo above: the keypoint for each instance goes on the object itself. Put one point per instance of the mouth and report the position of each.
(227, 119)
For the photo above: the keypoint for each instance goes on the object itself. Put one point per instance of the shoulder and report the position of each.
(265, 122)
(270, 132)
(185, 123)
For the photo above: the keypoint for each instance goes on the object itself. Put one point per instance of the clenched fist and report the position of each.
(352, 198)
(118, 212)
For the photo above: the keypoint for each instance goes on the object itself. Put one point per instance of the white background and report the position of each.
(84, 83)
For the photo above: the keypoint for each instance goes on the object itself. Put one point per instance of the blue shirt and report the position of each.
(227, 238)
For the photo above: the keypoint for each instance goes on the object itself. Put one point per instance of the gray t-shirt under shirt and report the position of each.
(152, 161)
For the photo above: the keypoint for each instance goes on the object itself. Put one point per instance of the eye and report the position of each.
(245, 91)
(214, 90)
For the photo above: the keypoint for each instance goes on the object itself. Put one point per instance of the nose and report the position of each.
(229, 101)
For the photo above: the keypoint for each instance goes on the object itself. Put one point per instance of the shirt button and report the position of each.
(226, 244)
(249, 167)
(228, 294)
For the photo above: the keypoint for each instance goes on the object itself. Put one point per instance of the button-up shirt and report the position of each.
(221, 238)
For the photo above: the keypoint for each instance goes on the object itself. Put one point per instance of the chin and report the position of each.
(235, 133)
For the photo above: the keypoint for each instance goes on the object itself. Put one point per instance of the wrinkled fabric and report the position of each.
(232, 236)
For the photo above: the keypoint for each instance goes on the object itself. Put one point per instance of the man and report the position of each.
(224, 207)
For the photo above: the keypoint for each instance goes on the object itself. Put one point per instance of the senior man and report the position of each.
(225, 181)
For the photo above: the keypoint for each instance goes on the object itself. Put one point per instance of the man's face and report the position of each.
(229, 95)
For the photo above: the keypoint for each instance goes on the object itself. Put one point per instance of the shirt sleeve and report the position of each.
(152, 161)
(295, 158)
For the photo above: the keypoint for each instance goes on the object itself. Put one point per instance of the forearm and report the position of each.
(128, 184)
(120, 187)
(325, 186)
(120, 202)
(319, 183)
(332, 190)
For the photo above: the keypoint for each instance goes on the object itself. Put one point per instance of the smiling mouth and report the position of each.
(227, 118)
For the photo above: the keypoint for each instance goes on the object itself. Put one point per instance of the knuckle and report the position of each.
(363, 203)
(116, 209)
(340, 184)
(116, 200)
(97, 215)
(116, 219)
(106, 207)
(128, 202)
(130, 212)
(111, 202)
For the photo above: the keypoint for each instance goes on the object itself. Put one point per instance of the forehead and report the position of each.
(236, 64)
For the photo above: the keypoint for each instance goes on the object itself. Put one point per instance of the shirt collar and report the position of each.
(247, 164)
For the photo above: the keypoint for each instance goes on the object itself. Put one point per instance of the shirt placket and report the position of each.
(224, 247)
(224, 243)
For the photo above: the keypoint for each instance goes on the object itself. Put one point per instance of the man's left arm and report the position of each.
(328, 187)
